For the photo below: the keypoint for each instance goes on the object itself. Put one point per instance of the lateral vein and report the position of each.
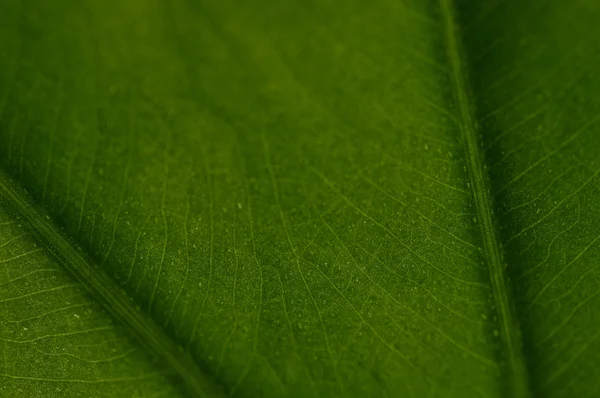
(101, 287)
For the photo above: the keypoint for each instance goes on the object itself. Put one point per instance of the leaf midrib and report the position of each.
(514, 370)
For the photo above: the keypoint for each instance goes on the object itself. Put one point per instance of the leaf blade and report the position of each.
(282, 187)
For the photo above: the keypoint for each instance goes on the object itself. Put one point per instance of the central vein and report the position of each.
(513, 367)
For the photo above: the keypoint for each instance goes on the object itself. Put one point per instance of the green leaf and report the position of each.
(57, 341)
(310, 198)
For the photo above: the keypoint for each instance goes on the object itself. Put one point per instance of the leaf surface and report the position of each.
(312, 198)
(55, 339)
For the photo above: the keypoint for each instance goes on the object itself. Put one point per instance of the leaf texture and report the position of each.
(312, 198)
(57, 341)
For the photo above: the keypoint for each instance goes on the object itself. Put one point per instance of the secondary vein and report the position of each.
(103, 288)
(515, 371)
